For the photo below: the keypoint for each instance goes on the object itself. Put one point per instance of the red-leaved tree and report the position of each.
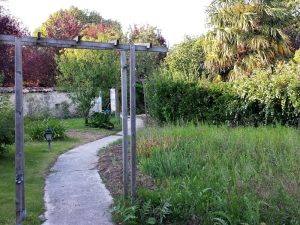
(8, 25)
(38, 63)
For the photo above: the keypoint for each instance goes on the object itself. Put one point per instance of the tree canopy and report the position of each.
(245, 36)
(186, 60)
(147, 63)
(84, 73)
(71, 22)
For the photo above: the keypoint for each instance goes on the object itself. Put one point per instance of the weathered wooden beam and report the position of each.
(7, 39)
(148, 45)
(133, 121)
(124, 123)
(19, 134)
(115, 42)
(49, 42)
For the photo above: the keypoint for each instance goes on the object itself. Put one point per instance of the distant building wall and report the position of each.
(44, 102)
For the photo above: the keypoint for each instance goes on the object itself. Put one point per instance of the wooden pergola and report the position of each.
(76, 43)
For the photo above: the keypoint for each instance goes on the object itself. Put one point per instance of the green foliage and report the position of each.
(100, 120)
(141, 212)
(266, 98)
(147, 63)
(176, 100)
(297, 57)
(186, 60)
(246, 36)
(36, 129)
(220, 175)
(7, 124)
(86, 72)
(274, 97)
(293, 28)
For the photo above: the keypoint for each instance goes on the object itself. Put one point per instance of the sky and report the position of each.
(175, 19)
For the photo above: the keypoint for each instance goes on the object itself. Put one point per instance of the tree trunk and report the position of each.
(117, 105)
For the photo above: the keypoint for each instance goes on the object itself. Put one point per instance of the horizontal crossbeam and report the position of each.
(59, 43)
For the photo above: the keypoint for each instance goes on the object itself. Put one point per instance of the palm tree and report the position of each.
(245, 34)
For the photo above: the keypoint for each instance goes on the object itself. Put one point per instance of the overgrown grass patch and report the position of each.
(219, 175)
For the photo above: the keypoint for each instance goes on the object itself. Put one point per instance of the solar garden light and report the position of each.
(48, 136)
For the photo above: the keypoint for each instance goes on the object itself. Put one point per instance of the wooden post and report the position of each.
(117, 105)
(19, 134)
(133, 121)
(145, 101)
(124, 122)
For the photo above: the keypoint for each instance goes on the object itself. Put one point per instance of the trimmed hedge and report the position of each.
(267, 98)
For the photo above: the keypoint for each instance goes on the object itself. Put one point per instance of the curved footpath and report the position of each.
(74, 191)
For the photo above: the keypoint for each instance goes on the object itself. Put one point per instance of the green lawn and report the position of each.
(218, 175)
(38, 160)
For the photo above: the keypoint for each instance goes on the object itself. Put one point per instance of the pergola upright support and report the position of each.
(124, 123)
(133, 121)
(19, 134)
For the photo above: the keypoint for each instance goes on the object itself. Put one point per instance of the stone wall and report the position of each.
(44, 102)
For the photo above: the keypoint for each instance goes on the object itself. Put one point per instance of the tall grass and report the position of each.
(221, 175)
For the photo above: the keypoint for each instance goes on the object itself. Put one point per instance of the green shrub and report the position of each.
(7, 124)
(175, 100)
(36, 129)
(266, 98)
(100, 120)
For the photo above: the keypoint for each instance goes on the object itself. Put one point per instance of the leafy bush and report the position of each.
(36, 129)
(266, 98)
(176, 100)
(186, 60)
(100, 120)
(7, 124)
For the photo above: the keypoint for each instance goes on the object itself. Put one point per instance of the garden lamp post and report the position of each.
(48, 136)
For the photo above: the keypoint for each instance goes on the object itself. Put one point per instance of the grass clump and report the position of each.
(221, 175)
(36, 129)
